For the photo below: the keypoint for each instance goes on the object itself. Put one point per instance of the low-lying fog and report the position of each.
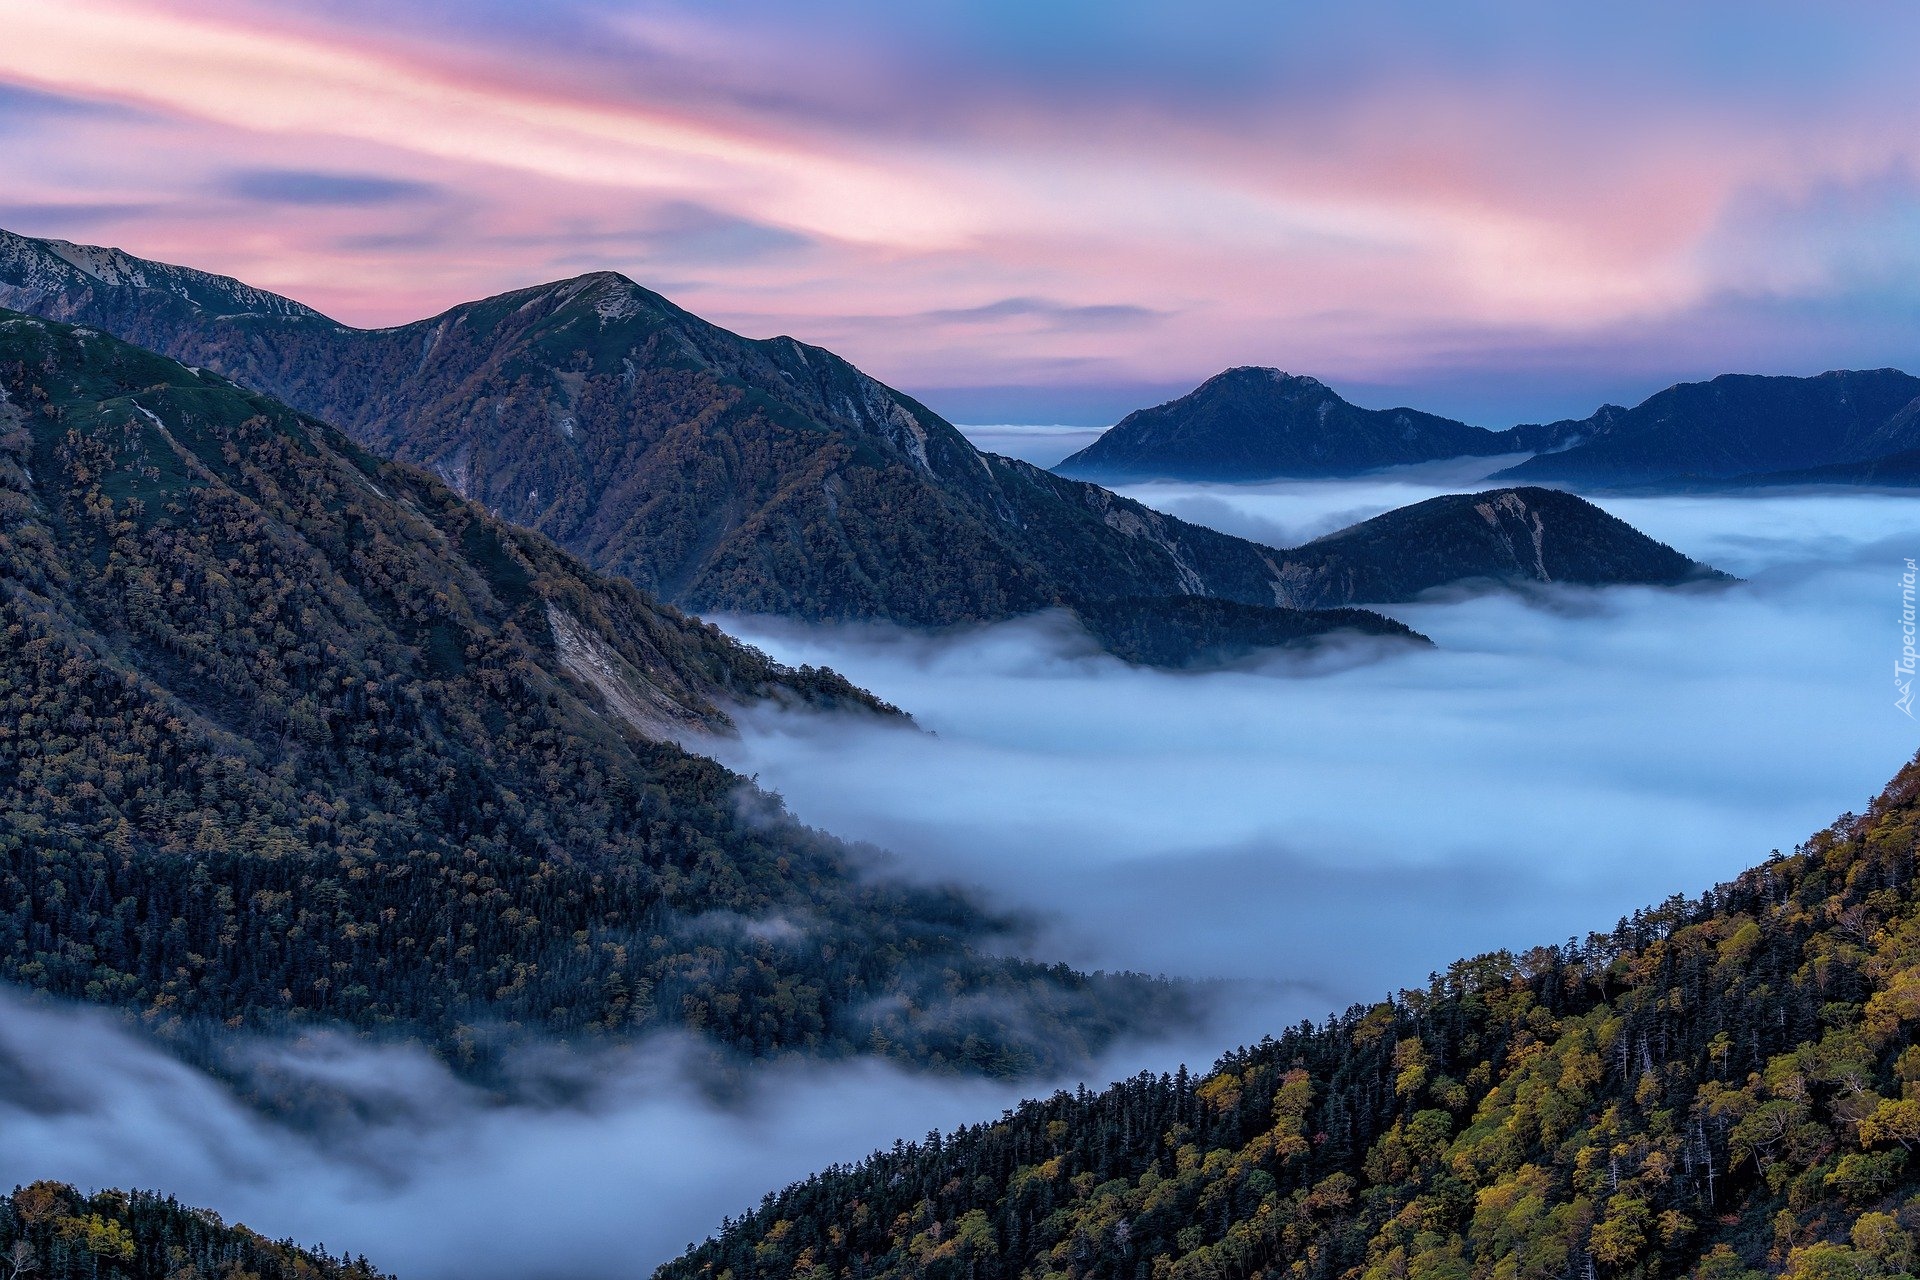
(432, 1180)
(1339, 826)
(1041, 445)
(1318, 830)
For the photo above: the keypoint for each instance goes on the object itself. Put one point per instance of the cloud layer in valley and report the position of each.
(432, 1178)
(1344, 823)
(1311, 830)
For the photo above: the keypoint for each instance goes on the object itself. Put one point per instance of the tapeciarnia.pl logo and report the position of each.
(1903, 669)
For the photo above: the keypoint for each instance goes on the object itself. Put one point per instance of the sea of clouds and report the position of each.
(1308, 831)
(1334, 827)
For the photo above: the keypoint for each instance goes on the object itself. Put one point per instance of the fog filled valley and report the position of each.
(1330, 827)
(648, 640)
(1295, 834)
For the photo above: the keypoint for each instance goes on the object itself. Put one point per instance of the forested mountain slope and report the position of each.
(1718, 1088)
(1195, 633)
(715, 471)
(50, 1231)
(289, 734)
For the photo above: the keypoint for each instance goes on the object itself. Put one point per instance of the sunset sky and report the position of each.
(1050, 211)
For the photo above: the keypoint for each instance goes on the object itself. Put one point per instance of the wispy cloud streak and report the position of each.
(1494, 199)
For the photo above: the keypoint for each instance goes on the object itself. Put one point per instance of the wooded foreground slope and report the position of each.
(290, 735)
(50, 1231)
(1717, 1088)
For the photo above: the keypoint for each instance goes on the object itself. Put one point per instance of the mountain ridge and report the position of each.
(1255, 422)
(722, 473)
(1740, 424)
(291, 735)
(1517, 536)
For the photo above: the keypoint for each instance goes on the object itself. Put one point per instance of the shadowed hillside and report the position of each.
(291, 735)
(721, 473)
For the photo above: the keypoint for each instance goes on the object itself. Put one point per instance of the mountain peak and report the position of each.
(718, 471)
(1256, 422)
(612, 295)
(47, 267)
(1260, 373)
(1511, 536)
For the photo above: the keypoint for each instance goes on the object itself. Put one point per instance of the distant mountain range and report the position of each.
(1253, 424)
(292, 735)
(717, 472)
(1739, 426)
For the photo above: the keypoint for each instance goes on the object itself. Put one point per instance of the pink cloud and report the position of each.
(1364, 225)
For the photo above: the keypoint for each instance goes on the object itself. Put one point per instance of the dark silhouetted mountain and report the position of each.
(1195, 632)
(1891, 471)
(717, 472)
(1251, 424)
(1739, 425)
(1723, 1089)
(289, 734)
(1503, 536)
